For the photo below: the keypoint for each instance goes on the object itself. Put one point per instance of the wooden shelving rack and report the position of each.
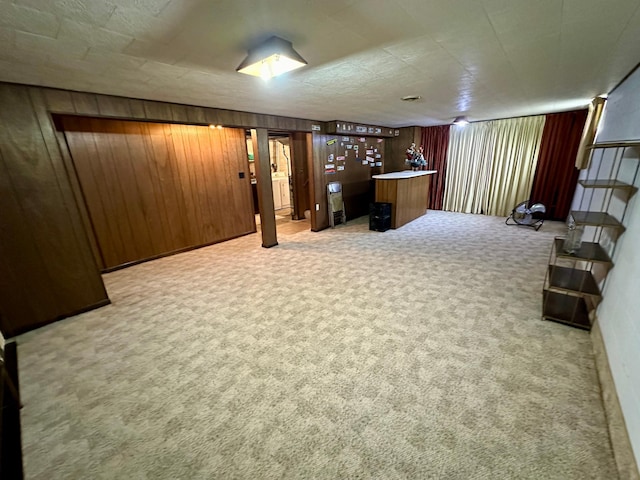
(574, 281)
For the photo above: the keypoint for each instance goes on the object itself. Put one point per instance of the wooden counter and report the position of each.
(408, 193)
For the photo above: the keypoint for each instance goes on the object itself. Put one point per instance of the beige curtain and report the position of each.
(491, 165)
(589, 133)
(468, 168)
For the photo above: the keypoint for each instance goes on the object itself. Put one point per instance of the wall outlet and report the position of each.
(317, 207)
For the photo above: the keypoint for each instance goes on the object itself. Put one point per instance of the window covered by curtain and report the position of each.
(490, 165)
(435, 141)
(468, 168)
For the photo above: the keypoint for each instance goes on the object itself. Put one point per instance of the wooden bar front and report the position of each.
(408, 193)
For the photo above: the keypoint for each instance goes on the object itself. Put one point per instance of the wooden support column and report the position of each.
(262, 161)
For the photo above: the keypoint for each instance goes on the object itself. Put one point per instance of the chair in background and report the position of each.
(336, 204)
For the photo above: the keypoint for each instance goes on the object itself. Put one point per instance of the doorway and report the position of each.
(288, 159)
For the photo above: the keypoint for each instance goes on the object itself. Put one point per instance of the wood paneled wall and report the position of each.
(153, 189)
(396, 148)
(357, 186)
(95, 105)
(48, 266)
(300, 144)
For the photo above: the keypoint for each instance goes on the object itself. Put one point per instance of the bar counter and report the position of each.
(408, 193)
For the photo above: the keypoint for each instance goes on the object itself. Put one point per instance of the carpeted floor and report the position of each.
(416, 353)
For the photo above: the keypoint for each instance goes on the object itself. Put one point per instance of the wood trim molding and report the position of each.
(620, 443)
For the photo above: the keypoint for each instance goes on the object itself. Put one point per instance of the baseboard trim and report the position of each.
(172, 252)
(620, 443)
(28, 328)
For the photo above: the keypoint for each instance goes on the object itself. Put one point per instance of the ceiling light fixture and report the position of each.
(271, 58)
(461, 121)
(411, 98)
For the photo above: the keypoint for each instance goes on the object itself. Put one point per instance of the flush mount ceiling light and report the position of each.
(271, 58)
(461, 121)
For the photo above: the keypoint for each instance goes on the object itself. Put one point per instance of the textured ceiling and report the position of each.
(482, 58)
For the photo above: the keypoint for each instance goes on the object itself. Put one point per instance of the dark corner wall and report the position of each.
(48, 269)
(396, 148)
(48, 248)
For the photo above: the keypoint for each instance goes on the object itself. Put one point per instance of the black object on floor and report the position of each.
(10, 435)
(379, 216)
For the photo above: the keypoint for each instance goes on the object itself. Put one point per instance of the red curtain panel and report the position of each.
(556, 175)
(435, 141)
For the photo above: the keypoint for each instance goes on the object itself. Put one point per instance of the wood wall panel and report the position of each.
(357, 186)
(85, 102)
(58, 100)
(54, 196)
(300, 167)
(110, 106)
(45, 256)
(396, 148)
(153, 189)
(196, 115)
(135, 106)
(158, 111)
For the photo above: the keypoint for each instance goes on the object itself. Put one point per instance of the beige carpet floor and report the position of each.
(417, 353)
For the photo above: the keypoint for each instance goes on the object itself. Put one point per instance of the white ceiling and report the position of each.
(482, 58)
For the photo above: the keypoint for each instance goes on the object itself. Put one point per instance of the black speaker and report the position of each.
(379, 216)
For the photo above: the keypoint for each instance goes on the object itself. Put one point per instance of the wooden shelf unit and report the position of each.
(566, 309)
(605, 183)
(596, 219)
(572, 280)
(588, 252)
(572, 293)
